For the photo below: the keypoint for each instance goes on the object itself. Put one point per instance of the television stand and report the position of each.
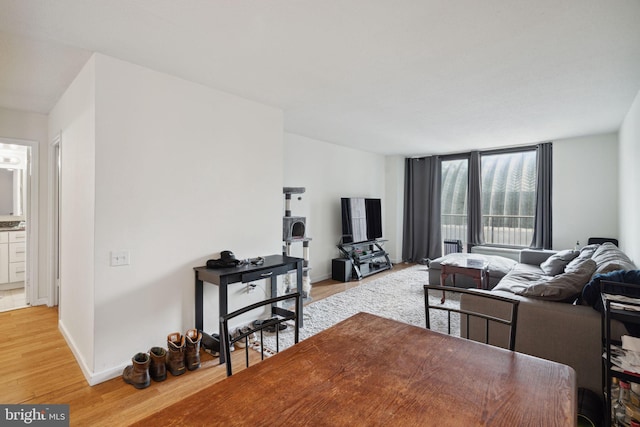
(366, 257)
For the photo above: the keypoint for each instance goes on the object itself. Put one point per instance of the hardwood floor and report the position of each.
(37, 367)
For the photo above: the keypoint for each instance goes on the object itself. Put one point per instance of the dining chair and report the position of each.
(476, 325)
(279, 315)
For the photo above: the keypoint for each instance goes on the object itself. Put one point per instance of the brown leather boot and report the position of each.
(158, 367)
(192, 351)
(138, 374)
(175, 354)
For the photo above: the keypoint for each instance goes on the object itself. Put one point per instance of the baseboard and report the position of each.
(91, 377)
(108, 374)
(317, 279)
(41, 301)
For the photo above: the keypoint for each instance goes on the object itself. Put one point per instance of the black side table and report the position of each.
(273, 266)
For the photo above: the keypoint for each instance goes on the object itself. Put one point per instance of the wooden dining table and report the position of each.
(372, 371)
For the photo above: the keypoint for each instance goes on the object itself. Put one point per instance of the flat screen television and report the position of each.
(361, 219)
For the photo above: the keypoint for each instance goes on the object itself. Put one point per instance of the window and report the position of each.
(508, 197)
(454, 200)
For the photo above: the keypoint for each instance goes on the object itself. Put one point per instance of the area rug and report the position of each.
(398, 296)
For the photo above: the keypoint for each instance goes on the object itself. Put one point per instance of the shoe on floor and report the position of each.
(271, 328)
(243, 342)
(175, 354)
(211, 344)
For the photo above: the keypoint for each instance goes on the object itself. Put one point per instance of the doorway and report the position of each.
(55, 156)
(18, 224)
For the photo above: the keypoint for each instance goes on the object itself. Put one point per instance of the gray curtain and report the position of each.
(422, 237)
(542, 225)
(475, 233)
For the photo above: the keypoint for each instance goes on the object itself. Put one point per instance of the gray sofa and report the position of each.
(551, 325)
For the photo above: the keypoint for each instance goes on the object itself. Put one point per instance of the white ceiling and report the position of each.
(404, 77)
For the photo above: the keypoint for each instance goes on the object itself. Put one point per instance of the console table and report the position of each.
(273, 266)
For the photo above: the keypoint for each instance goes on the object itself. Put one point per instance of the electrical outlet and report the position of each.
(119, 258)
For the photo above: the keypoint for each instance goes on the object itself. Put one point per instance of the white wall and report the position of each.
(74, 115)
(394, 206)
(182, 172)
(629, 178)
(33, 127)
(328, 172)
(585, 189)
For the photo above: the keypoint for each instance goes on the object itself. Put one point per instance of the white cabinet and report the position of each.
(4, 257)
(17, 252)
(17, 236)
(16, 272)
(12, 256)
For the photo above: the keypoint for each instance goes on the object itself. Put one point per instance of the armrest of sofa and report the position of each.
(535, 256)
(564, 333)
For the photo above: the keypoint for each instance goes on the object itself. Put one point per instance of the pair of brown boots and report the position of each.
(184, 353)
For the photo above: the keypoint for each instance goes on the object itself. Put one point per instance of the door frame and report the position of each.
(53, 265)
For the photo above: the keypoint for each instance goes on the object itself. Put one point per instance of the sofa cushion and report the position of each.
(587, 251)
(556, 263)
(563, 287)
(520, 278)
(609, 257)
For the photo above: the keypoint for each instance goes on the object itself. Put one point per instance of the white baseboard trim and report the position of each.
(108, 374)
(41, 301)
(320, 278)
(91, 377)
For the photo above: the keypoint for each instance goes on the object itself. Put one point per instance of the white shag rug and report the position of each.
(398, 296)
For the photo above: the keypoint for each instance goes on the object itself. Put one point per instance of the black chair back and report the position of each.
(475, 321)
(279, 315)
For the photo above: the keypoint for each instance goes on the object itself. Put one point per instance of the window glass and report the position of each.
(454, 200)
(508, 197)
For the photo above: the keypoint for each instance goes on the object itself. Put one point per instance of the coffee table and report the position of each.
(475, 268)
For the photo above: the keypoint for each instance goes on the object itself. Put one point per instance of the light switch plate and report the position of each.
(119, 258)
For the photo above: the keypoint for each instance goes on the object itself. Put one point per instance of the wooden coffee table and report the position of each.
(475, 268)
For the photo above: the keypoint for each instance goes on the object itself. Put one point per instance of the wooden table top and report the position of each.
(370, 371)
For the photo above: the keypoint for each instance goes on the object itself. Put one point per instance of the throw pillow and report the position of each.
(585, 253)
(609, 257)
(556, 263)
(564, 287)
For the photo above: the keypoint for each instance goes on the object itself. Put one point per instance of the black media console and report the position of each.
(360, 260)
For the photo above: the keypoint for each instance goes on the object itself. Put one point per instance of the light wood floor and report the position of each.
(37, 367)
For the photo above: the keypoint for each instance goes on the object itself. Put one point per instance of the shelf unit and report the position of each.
(627, 311)
(366, 258)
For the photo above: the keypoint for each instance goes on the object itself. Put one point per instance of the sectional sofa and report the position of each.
(552, 321)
